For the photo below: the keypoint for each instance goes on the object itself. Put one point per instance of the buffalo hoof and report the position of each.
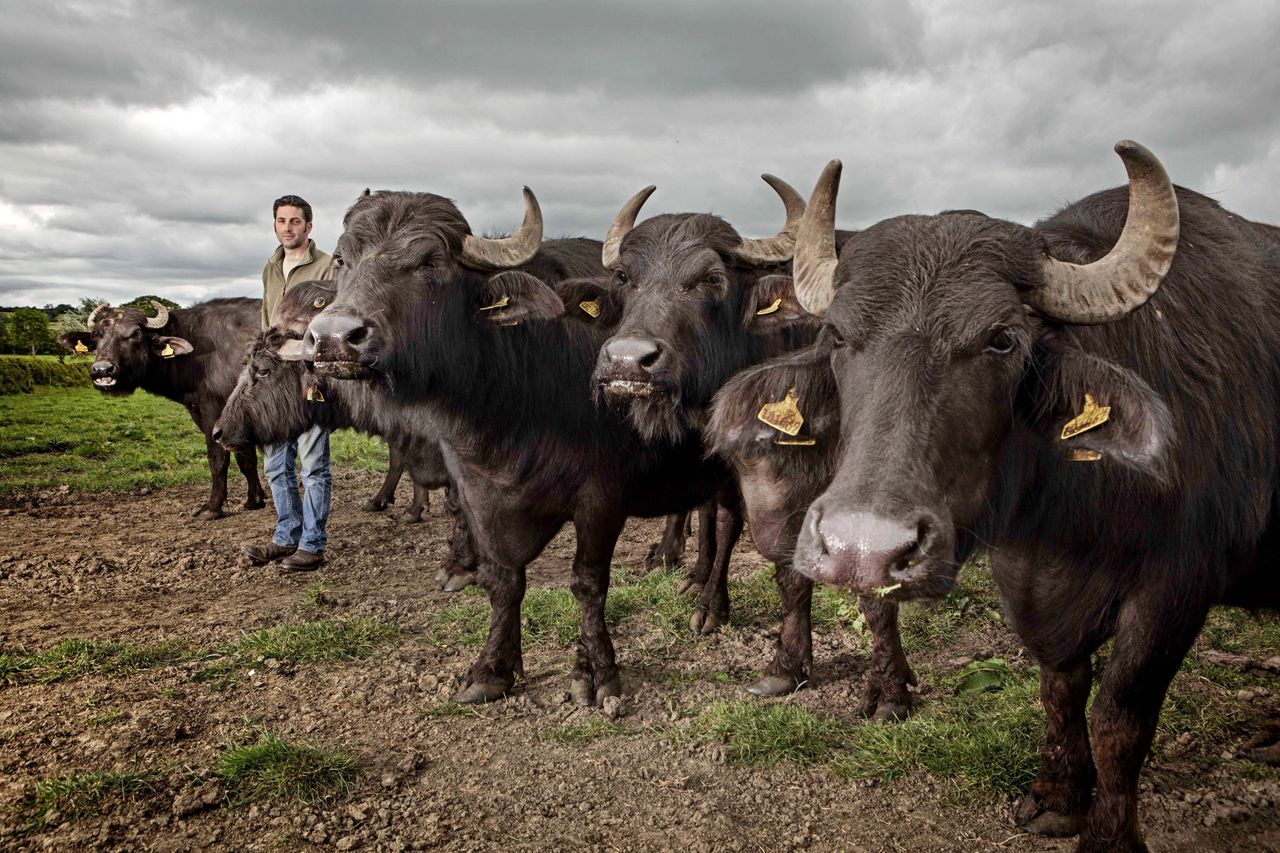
(691, 585)
(409, 517)
(890, 712)
(768, 686)
(1036, 818)
(459, 582)
(258, 504)
(580, 691)
(657, 558)
(1264, 747)
(479, 692)
(374, 504)
(205, 513)
(703, 622)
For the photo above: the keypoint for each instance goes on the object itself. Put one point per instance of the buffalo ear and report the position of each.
(771, 305)
(70, 339)
(1127, 423)
(168, 347)
(512, 297)
(591, 300)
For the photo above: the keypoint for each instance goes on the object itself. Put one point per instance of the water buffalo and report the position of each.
(704, 303)
(1096, 399)
(470, 327)
(189, 355)
(276, 400)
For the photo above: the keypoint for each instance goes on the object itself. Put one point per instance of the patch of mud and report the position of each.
(137, 568)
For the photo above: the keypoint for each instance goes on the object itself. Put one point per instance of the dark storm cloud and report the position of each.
(143, 141)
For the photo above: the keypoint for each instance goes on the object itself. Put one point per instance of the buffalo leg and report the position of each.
(459, 568)
(1063, 789)
(885, 696)
(595, 676)
(421, 500)
(491, 677)
(712, 609)
(247, 462)
(793, 657)
(387, 494)
(697, 577)
(669, 552)
(219, 461)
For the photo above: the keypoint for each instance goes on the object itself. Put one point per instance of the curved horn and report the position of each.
(1111, 287)
(814, 265)
(161, 318)
(93, 315)
(489, 254)
(780, 247)
(622, 224)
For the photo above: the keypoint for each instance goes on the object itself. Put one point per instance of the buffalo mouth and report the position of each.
(343, 369)
(629, 388)
(104, 382)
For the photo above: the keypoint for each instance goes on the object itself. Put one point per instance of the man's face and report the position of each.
(291, 228)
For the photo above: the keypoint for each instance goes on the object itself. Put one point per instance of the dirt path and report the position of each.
(136, 568)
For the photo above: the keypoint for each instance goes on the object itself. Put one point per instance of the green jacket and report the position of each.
(317, 265)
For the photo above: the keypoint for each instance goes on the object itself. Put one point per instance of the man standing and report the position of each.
(300, 522)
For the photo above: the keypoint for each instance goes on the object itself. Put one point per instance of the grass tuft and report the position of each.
(581, 734)
(275, 769)
(316, 642)
(767, 733)
(317, 595)
(75, 658)
(70, 797)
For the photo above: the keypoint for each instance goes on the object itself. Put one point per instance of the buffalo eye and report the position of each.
(337, 260)
(833, 338)
(1002, 341)
(261, 372)
(621, 278)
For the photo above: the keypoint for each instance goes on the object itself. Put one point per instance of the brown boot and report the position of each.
(260, 555)
(302, 561)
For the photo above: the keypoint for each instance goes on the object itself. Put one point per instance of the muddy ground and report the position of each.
(136, 568)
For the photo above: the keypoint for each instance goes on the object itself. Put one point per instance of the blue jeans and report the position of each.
(300, 521)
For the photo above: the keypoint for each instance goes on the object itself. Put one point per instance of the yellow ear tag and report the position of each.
(777, 303)
(783, 415)
(590, 306)
(1079, 454)
(796, 442)
(1092, 416)
(167, 352)
(501, 303)
(315, 395)
(80, 348)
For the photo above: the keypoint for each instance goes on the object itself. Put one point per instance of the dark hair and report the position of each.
(293, 201)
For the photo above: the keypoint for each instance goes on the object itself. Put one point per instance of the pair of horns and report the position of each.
(766, 250)
(157, 322)
(487, 254)
(1100, 292)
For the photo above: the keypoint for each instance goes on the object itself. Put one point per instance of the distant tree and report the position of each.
(144, 303)
(29, 331)
(5, 345)
(52, 311)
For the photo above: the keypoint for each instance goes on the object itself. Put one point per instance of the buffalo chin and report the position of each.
(343, 370)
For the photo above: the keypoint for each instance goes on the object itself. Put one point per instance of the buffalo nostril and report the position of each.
(217, 434)
(649, 359)
(357, 336)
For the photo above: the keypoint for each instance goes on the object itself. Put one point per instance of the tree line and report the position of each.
(34, 331)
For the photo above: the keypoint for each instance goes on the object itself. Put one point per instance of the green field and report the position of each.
(88, 441)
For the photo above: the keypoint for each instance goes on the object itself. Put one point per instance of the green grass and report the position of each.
(273, 768)
(581, 734)
(325, 641)
(316, 595)
(70, 797)
(75, 658)
(767, 732)
(84, 439)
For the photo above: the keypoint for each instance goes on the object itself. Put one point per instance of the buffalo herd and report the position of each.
(1093, 401)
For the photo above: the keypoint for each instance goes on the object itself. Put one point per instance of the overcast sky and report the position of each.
(141, 142)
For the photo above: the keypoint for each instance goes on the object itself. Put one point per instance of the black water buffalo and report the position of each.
(1096, 399)
(704, 303)
(275, 400)
(189, 355)
(469, 327)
